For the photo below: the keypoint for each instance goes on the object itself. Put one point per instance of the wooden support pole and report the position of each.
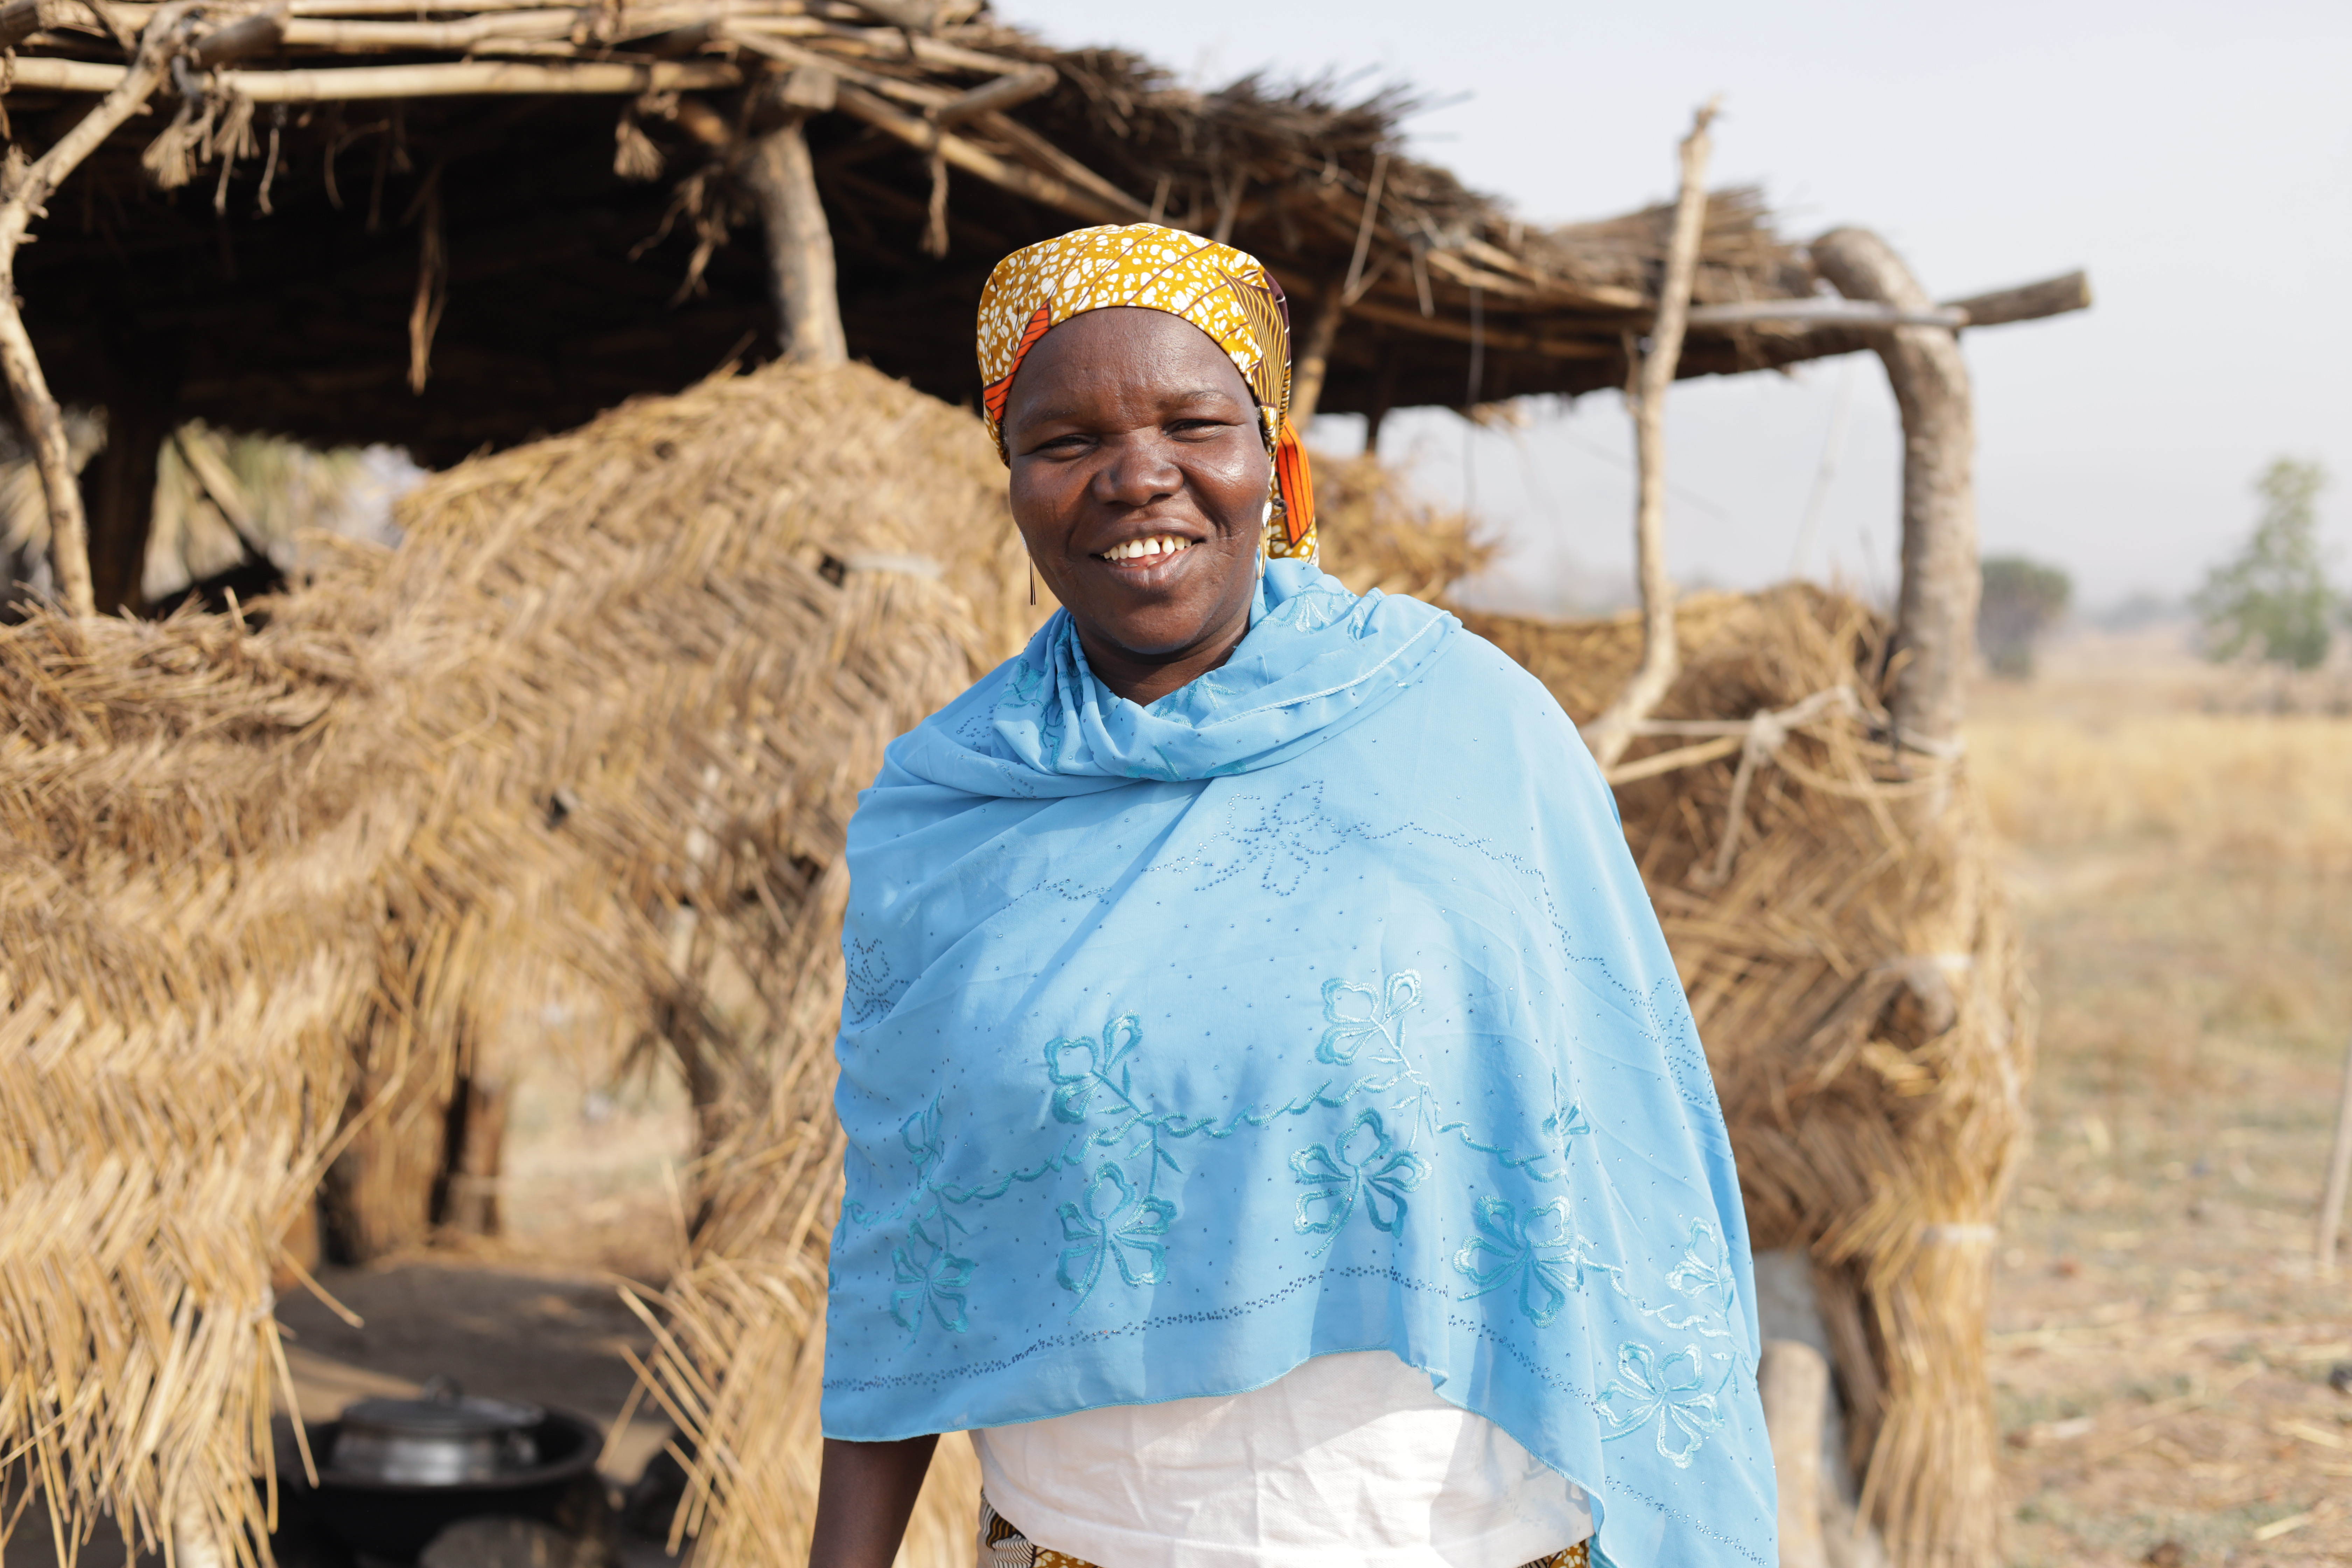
(37, 407)
(1654, 373)
(118, 488)
(466, 1190)
(783, 181)
(2339, 1175)
(1935, 612)
(1312, 363)
(1793, 1380)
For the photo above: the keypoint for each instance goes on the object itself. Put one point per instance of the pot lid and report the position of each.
(442, 1408)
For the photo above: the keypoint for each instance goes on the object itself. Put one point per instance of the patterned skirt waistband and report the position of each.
(1001, 1545)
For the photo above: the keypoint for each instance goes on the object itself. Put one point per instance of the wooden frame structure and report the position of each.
(471, 221)
(445, 223)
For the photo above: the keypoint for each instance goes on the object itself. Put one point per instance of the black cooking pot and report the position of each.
(441, 1438)
(378, 1488)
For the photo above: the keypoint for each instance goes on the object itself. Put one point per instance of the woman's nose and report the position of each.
(1139, 470)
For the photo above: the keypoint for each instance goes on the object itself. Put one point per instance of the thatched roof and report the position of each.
(541, 207)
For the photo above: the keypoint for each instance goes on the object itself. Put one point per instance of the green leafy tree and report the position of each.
(2272, 601)
(2022, 601)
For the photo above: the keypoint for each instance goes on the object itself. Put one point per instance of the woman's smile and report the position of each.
(1152, 550)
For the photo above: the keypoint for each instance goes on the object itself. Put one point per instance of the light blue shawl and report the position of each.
(1316, 1007)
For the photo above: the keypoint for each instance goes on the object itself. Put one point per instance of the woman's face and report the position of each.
(1140, 484)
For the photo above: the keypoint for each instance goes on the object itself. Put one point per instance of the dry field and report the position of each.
(2162, 1349)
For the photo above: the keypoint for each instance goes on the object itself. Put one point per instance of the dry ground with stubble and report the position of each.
(2162, 1348)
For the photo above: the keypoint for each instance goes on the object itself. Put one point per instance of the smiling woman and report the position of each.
(1276, 1132)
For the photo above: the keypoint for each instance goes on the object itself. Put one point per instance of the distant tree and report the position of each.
(2023, 600)
(2274, 600)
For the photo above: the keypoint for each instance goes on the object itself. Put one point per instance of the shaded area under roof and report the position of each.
(275, 289)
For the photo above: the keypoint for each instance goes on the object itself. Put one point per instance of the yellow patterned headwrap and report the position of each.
(1226, 293)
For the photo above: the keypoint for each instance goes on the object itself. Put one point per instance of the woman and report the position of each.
(1275, 1129)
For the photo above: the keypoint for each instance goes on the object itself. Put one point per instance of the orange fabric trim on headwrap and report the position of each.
(1297, 484)
(1227, 293)
(993, 395)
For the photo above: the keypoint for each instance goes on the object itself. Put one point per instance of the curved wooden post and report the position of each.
(800, 246)
(1311, 361)
(37, 407)
(1936, 613)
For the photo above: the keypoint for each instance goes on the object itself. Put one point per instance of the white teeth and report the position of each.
(1158, 544)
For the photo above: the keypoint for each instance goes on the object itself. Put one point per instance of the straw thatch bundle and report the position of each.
(604, 714)
(1855, 979)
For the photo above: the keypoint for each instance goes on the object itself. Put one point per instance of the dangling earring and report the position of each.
(1032, 581)
(1265, 522)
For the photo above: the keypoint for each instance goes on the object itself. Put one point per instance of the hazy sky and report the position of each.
(2193, 157)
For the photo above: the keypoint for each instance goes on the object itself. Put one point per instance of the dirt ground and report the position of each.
(2162, 1348)
(590, 1204)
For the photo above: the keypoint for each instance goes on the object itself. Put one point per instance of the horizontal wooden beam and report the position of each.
(658, 17)
(785, 51)
(2028, 302)
(1501, 338)
(312, 32)
(1822, 312)
(454, 78)
(1560, 293)
(1003, 93)
(915, 16)
(1043, 154)
(924, 136)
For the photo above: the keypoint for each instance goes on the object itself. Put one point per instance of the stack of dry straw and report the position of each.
(613, 681)
(1855, 979)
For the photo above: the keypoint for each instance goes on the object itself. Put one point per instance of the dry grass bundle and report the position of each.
(1375, 532)
(179, 807)
(1855, 981)
(606, 710)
